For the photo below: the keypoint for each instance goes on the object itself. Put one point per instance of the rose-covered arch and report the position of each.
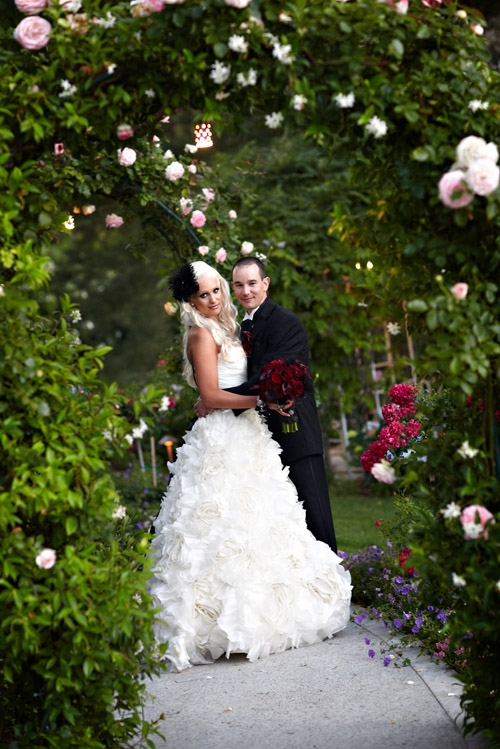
(395, 87)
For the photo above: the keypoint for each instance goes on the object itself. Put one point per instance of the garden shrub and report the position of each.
(76, 637)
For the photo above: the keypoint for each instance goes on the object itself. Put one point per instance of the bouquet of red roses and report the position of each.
(283, 382)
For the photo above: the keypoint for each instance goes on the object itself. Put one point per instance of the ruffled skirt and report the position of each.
(236, 569)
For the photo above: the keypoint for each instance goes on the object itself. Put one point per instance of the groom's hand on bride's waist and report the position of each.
(201, 410)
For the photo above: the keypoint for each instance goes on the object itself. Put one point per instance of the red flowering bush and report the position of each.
(398, 431)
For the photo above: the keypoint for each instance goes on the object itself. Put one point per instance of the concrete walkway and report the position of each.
(326, 696)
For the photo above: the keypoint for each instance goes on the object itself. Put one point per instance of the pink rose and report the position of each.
(472, 528)
(459, 290)
(146, 7)
(124, 131)
(46, 559)
(203, 249)
(401, 6)
(221, 255)
(238, 3)
(174, 171)
(483, 176)
(126, 156)
(88, 209)
(30, 7)
(186, 206)
(113, 221)
(198, 219)
(58, 149)
(33, 32)
(208, 194)
(232, 214)
(451, 183)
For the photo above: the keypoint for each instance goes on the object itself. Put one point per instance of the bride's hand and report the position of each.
(201, 410)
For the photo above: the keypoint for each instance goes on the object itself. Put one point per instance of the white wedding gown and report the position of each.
(236, 569)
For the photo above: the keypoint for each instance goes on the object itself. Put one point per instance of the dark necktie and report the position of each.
(246, 325)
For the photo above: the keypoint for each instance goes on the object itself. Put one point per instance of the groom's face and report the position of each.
(249, 287)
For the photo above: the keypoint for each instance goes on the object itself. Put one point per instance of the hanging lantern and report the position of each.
(203, 135)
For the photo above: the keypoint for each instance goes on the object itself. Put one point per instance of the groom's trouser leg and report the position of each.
(309, 476)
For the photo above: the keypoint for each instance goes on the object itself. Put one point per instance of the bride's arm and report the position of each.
(202, 353)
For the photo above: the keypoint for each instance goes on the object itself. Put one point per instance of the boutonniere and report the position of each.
(247, 342)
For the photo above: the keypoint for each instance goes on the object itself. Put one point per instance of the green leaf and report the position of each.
(396, 48)
(343, 26)
(420, 154)
(71, 524)
(220, 49)
(417, 305)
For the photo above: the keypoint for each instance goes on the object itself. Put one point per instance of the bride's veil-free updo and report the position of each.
(224, 330)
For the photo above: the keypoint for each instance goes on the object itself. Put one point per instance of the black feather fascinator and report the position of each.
(183, 283)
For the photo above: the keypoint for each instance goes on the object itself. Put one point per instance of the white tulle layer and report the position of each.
(236, 568)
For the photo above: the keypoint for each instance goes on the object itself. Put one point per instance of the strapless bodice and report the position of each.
(232, 371)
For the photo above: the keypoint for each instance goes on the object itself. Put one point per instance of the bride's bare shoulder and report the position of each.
(200, 335)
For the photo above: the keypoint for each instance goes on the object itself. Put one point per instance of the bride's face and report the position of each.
(208, 298)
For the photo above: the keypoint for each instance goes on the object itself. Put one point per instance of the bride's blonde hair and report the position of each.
(224, 330)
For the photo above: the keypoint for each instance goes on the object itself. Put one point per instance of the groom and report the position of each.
(272, 332)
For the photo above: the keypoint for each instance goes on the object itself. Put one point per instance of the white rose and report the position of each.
(119, 513)
(246, 248)
(384, 472)
(126, 156)
(174, 171)
(483, 176)
(471, 148)
(46, 559)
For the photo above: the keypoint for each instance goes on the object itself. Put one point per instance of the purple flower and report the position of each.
(415, 629)
(406, 616)
(343, 554)
(379, 595)
(400, 579)
(387, 660)
(367, 641)
(391, 598)
(371, 654)
(374, 611)
(389, 544)
(430, 608)
(419, 621)
(405, 590)
(359, 618)
(370, 569)
(398, 623)
(442, 616)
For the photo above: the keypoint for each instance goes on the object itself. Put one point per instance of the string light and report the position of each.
(69, 223)
(358, 266)
(203, 135)
(369, 265)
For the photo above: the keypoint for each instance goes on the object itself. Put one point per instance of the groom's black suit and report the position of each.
(277, 333)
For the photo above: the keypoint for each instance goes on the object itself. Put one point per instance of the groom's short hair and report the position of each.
(251, 261)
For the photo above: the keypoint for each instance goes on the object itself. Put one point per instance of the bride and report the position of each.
(236, 570)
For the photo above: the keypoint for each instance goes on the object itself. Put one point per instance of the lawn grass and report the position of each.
(355, 511)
